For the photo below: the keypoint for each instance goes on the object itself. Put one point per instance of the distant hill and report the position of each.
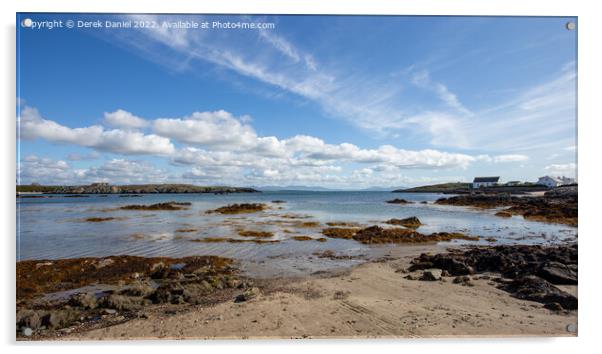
(295, 188)
(324, 189)
(381, 189)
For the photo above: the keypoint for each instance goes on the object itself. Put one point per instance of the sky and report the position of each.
(346, 102)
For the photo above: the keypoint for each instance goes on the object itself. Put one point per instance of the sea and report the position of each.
(56, 227)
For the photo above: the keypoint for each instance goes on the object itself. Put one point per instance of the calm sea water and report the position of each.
(56, 228)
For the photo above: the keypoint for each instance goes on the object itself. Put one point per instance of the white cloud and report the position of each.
(82, 157)
(281, 44)
(444, 129)
(538, 117)
(510, 158)
(568, 169)
(124, 171)
(423, 79)
(218, 147)
(43, 170)
(218, 129)
(32, 126)
(123, 119)
(571, 148)
(34, 169)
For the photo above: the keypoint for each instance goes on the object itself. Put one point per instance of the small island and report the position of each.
(106, 188)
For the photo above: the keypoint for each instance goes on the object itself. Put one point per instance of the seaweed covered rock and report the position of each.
(557, 207)
(376, 235)
(159, 206)
(239, 208)
(122, 287)
(411, 222)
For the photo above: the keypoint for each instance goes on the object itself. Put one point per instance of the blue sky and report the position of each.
(332, 101)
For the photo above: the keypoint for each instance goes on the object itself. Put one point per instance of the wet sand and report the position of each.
(372, 300)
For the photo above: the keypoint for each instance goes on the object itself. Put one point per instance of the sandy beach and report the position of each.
(372, 300)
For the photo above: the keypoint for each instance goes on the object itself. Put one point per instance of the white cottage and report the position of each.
(553, 181)
(479, 182)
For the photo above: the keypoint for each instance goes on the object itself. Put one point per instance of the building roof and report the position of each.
(485, 179)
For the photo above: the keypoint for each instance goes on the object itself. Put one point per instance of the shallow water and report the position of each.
(51, 228)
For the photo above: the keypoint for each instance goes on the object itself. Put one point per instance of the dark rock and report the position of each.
(446, 262)
(398, 201)
(511, 261)
(168, 293)
(536, 289)
(554, 306)
(431, 274)
(461, 279)
(558, 273)
(246, 295)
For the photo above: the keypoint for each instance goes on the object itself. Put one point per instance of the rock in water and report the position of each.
(432, 274)
(411, 222)
(398, 201)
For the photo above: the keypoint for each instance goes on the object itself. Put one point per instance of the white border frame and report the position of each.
(589, 23)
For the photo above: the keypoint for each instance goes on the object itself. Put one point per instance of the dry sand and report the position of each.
(372, 300)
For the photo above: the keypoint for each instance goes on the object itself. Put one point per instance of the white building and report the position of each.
(480, 182)
(553, 181)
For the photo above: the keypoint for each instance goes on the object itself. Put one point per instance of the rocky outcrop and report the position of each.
(536, 289)
(123, 286)
(531, 271)
(554, 206)
(377, 235)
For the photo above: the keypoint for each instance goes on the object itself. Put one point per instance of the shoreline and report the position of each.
(376, 299)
